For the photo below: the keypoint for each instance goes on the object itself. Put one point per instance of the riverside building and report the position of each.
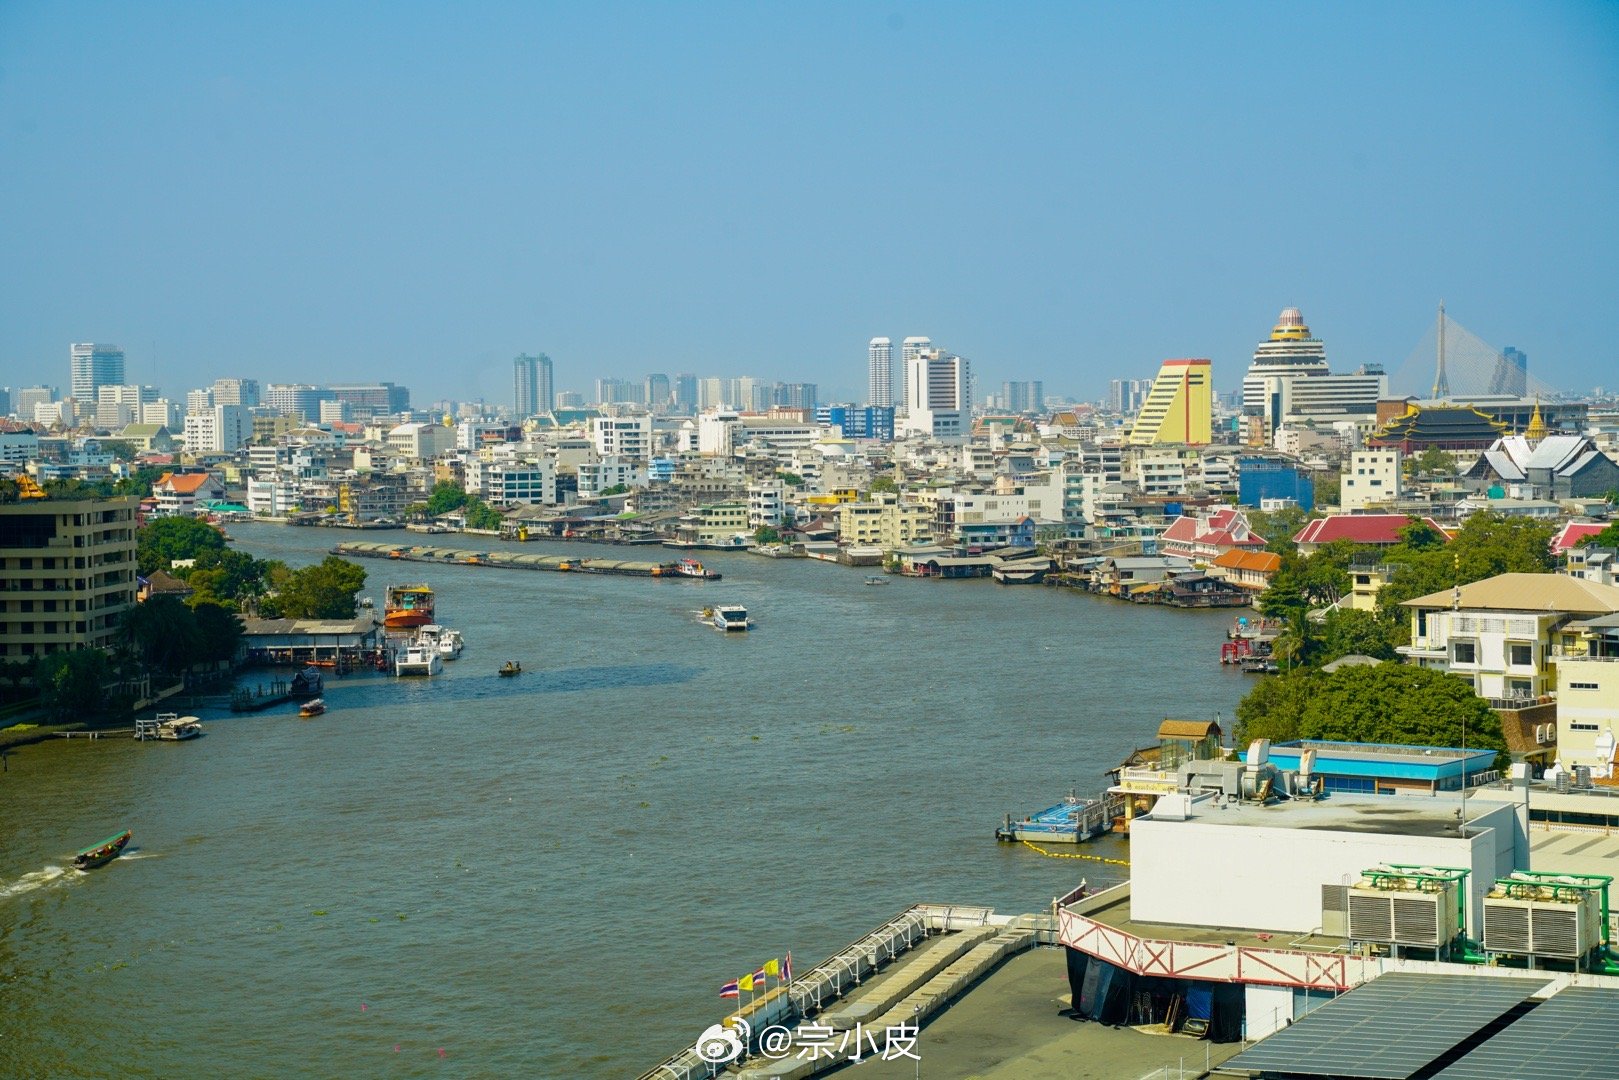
(1289, 381)
(67, 574)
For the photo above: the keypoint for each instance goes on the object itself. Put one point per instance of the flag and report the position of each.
(787, 967)
(759, 979)
(772, 967)
(729, 989)
(746, 983)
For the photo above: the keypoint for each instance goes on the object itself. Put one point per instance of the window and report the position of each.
(1521, 655)
(1464, 652)
(1583, 686)
(1582, 727)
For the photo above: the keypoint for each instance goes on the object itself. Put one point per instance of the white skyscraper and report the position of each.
(909, 350)
(881, 353)
(93, 366)
(938, 395)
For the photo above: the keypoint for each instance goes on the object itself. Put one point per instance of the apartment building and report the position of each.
(67, 574)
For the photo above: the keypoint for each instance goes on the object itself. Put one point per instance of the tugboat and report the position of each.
(694, 569)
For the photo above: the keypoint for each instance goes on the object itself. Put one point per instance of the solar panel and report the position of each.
(1389, 1028)
(1572, 1036)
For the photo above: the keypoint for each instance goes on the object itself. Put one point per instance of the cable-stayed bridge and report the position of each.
(1452, 362)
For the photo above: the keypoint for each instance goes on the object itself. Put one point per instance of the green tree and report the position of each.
(1607, 538)
(444, 498)
(480, 515)
(764, 534)
(73, 685)
(1486, 545)
(161, 636)
(883, 483)
(161, 542)
(1354, 633)
(1278, 527)
(219, 632)
(1389, 703)
(226, 577)
(790, 479)
(1431, 462)
(326, 590)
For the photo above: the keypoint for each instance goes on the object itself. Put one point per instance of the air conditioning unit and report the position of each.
(1335, 910)
(1542, 920)
(1424, 917)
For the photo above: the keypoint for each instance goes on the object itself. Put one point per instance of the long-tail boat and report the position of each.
(100, 854)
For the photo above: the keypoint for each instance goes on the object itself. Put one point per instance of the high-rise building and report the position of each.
(795, 395)
(116, 407)
(236, 392)
(657, 391)
(871, 422)
(199, 400)
(1179, 408)
(612, 391)
(220, 430)
(368, 400)
(909, 350)
(938, 389)
(1023, 397)
(292, 399)
(685, 393)
(532, 389)
(29, 396)
(1289, 381)
(5, 401)
(1511, 375)
(1290, 350)
(880, 360)
(92, 367)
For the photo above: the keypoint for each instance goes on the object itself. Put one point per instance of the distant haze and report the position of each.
(1062, 192)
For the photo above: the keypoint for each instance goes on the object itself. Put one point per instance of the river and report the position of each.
(551, 875)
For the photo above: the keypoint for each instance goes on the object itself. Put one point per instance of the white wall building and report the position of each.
(938, 394)
(880, 361)
(220, 430)
(623, 436)
(607, 473)
(509, 482)
(1371, 478)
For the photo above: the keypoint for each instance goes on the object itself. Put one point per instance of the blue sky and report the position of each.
(1065, 192)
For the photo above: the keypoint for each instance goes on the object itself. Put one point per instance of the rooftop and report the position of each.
(1385, 815)
(1529, 593)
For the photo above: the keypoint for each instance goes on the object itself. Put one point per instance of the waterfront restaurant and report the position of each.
(309, 641)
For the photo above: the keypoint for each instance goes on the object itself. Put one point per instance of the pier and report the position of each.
(447, 556)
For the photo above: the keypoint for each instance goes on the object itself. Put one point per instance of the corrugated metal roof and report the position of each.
(1527, 592)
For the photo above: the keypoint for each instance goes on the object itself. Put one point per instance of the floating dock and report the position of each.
(511, 560)
(1072, 821)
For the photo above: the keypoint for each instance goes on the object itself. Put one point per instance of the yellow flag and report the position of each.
(745, 983)
(773, 967)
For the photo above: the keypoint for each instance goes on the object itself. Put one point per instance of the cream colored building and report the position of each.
(1372, 478)
(67, 574)
(1588, 697)
(884, 522)
(1506, 634)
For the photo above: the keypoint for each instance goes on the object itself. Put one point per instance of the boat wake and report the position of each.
(38, 879)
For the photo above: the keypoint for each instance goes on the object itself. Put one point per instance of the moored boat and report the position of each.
(450, 644)
(406, 607)
(100, 854)
(313, 707)
(418, 660)
(730, 617)
(174, 728)
(875, 580)
(307, 683)
(1072, 821)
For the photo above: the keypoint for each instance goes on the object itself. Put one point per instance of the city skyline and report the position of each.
(609, 185)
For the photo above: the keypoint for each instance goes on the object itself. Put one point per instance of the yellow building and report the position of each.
(1179, 408)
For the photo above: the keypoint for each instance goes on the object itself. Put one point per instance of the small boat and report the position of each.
(693, 569)
(729, 617)
(307, 683)
(1072, 821)
(510, 668)
(418, 660)
(875, 580)
(313, 707)
(450, 644)
(100, 854)
(175, 728)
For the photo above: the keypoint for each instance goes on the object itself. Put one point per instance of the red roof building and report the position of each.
(1250, 570)
(1382, 530)
(1574, 534)
(1205, 538)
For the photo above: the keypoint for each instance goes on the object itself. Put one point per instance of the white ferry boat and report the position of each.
(418, 660)
(730, 617)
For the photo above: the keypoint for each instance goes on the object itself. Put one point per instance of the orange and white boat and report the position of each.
(407, 607)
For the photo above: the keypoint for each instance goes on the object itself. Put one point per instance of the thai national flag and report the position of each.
(787, 968)
(729, 989)
(759, 978)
